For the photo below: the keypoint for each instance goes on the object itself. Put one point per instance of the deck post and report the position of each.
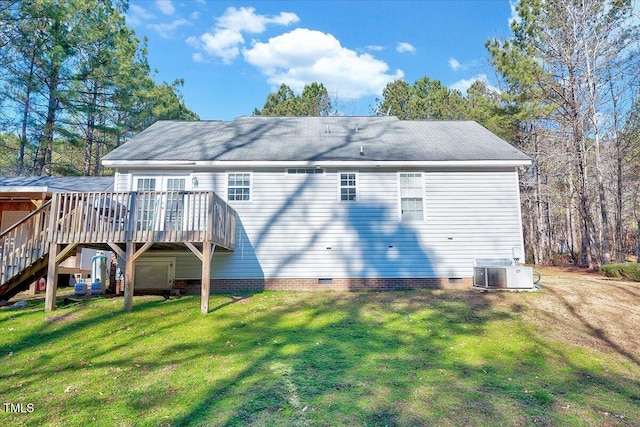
(129, 276)
(206, 277)
(130, 250)
(52, 278)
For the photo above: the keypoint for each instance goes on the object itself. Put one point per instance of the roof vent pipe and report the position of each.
(327, 131)
(361, 150)
(357, 130)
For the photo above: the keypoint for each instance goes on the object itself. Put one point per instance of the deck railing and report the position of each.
(24, 243)
(142, 216)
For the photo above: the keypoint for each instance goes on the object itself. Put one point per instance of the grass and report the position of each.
(279, 358)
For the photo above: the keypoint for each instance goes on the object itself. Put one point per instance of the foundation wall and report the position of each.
(315, 284)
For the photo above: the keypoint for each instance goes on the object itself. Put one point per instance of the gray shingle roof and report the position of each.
(316, 139)
(55, 184)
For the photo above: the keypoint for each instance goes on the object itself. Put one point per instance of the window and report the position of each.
(146, 184)
(411, 206)
(304, 171)
(239, 186)
(146, 204)
(348, 187)
(174, 207)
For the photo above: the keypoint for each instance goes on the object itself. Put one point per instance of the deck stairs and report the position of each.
(24, 252)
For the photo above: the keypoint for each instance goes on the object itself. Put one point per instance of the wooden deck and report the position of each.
(145, 216)
(129, 223)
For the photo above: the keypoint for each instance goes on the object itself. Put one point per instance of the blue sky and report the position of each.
(231, 55)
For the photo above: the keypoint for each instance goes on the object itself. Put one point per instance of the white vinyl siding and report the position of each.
(476, 214)
(299, 228)
(121, 181)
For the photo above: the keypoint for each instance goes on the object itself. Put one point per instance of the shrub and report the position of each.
(630, 271)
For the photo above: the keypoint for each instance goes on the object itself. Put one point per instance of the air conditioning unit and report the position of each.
(501, 274)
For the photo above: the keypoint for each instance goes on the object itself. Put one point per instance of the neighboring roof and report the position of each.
(55, 184)
(315, 139)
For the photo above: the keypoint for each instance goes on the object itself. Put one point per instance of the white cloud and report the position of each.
(464, 84)
(197, 57)
(226, 38)
(245, 19)
(374, 48)
(165, 30)
(404, 47)
(223, 44)
(303, 56)
(514, 18)
(454, 64)
(165, 7)
(136, 15)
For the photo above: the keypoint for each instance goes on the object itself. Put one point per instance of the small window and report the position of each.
(411, 199)
(348, 187)
(304, 171)
(239, 186)
(146, 184)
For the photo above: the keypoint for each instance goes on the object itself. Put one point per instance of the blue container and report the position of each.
(80, 289)
(96, 288)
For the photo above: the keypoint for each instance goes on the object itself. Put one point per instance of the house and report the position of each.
(324, 202)
(21, 196)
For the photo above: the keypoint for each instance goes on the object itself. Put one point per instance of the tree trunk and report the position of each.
(605, 251)
(638, 249)
(531, 240)
(91, 118)
(539, 222)
(618, 233)
(43, 160)
(25, 115)
(586, 259)
(99, 142)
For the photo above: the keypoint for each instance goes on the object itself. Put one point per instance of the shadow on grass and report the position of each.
(70, 321)
(394, 358)
(352, 360)
(233, 299)
(73, 315)
(596, 331)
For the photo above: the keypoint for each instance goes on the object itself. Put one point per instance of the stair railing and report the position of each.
(24, 243)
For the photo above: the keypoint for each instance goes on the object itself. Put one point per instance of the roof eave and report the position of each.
(311, 163)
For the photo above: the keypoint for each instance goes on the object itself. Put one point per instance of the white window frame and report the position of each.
(226, 184)
(161, 180)
(356, 186)
(422, 193)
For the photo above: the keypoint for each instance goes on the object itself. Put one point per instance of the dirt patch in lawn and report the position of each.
(66, 317)
(587, 309)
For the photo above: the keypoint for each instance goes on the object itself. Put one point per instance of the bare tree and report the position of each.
(581, 56)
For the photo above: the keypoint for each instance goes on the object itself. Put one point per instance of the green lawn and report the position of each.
(281, 358)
